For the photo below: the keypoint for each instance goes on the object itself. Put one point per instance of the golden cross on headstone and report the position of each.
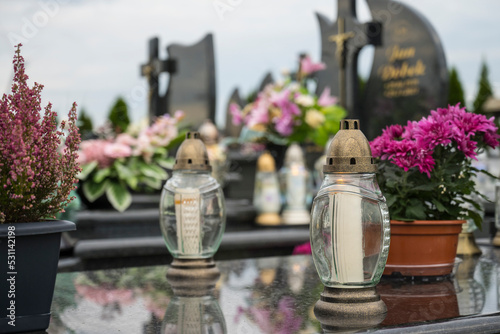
(341, 39)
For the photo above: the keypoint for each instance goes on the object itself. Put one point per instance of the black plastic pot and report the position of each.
(26, 288)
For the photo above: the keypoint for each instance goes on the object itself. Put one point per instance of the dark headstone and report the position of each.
(191, 85)
(268, 79)
(409, 76)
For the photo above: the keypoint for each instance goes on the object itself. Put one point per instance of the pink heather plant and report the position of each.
(425, 168)
(36, 174)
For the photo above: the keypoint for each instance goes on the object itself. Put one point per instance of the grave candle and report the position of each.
(350, 233)
(192, 209)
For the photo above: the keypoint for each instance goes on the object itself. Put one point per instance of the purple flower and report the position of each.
(432, 132)
(325, 99)
(284, 124)
(307, 66)
(236, 114)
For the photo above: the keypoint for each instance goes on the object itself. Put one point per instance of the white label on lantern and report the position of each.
(347, 234)
(187, 213)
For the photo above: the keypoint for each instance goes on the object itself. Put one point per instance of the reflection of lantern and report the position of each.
(496, 240)
(192, 206)
(266, 197)
(350, 233)
(471, 294)
(193, 309)
(294, 179)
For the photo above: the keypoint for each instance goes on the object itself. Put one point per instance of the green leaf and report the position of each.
(93, 190)
(119, 196)
(153, 171)
(415, 211)
(152, 182)
(425, 187)
(166, 162)
(440, 207)
(86, 170)
(101, 174)
(123, 171)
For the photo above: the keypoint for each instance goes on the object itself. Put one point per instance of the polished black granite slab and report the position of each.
(270, 295)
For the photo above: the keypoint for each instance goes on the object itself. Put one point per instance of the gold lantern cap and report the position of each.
(266, 163)
(349, 151)
(208, 132)
(192, 154)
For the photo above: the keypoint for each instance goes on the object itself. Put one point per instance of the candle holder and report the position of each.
(294, 179)
(350, 234)
(192, 211)
(266, 197)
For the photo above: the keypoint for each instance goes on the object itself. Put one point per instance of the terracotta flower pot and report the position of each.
(423, 248)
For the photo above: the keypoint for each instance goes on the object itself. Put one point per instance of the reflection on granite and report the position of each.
(266, 295)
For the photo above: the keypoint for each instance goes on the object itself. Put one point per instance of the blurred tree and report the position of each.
(118, 116)
(484, 90)
(456, 92)
(84, 124)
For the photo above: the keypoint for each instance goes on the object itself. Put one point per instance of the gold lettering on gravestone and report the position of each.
(400, 74)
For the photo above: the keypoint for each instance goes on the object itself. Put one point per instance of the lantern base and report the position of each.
(296, 217)
(467, 244)
(268, 219)
(341, 308)
(496, 240)
(192, 278)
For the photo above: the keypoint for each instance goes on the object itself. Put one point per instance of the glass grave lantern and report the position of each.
(192, 208)
(267, 199)
(295, 179)
(350, 234)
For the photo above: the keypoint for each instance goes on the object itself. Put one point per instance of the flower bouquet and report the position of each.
(136, 161)
(425, 167)
(287, 112)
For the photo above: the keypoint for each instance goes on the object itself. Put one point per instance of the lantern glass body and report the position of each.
(194, 315)
(295, 187)
(350, 231)
(192, 214)
(497, 205)
(267, 193)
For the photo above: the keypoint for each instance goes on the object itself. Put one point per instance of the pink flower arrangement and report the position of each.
(287, 112)
(38, 163)
(280, 320)
(112, 165)
(425, 166)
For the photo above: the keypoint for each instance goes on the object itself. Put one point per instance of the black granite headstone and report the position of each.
(409, 76)
(191, 85)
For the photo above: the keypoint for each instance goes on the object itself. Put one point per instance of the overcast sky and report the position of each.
(90, 51)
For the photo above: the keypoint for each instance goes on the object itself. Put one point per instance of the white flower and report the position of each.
(305, 100)
(314, 118)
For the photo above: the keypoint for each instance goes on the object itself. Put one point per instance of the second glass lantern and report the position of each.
(192, 208)
(350, 231)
